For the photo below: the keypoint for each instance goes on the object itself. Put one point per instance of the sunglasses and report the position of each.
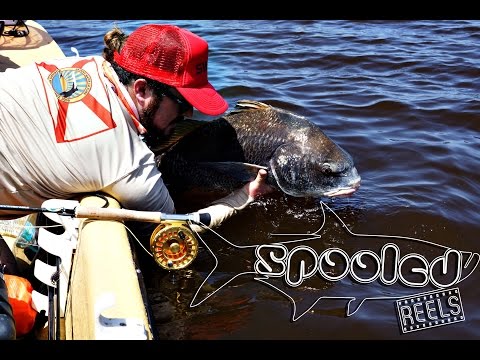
(183, 105)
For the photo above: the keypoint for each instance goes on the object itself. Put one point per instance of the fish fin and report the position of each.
(241, 171)
(182, 128)
(243, 105)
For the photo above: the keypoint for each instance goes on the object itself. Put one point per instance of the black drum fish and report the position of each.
(220, 155)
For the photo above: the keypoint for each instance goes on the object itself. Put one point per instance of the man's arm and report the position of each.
(222, 209)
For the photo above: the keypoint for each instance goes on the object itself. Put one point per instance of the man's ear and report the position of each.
(142, 92)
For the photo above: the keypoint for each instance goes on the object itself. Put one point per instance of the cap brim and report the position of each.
(206, 99)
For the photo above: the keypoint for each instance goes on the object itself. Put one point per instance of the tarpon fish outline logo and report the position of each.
(466, 263)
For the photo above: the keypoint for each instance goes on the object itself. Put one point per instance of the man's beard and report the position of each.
(153, 136)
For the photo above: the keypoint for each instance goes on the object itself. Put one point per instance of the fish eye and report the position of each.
(326, 168)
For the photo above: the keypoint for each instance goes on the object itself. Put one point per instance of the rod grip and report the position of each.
(117, 214)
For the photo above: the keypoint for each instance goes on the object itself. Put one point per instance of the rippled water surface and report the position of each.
(402, 97)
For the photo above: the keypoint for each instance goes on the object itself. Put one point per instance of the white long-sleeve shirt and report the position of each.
(65, 131)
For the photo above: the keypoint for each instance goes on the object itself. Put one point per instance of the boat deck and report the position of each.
(38, 45)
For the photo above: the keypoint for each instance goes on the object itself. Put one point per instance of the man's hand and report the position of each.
(259, 186)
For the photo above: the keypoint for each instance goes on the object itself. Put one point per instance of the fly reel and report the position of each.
(173, 245)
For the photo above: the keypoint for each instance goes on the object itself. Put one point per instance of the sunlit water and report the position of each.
(402, 97)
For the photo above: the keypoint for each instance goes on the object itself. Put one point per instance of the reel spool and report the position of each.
(173, 245)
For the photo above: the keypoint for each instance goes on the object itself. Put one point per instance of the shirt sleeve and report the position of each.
(143, 189)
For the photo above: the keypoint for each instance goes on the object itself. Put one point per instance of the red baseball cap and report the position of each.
(176, 57)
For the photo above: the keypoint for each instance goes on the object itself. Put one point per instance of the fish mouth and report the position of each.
(345, 191)
(340, 192)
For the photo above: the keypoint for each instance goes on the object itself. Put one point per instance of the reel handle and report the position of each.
(117, 214)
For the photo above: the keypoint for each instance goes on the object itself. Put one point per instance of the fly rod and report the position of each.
(114, 214)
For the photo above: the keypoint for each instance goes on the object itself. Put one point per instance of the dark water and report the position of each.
(403, 98)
